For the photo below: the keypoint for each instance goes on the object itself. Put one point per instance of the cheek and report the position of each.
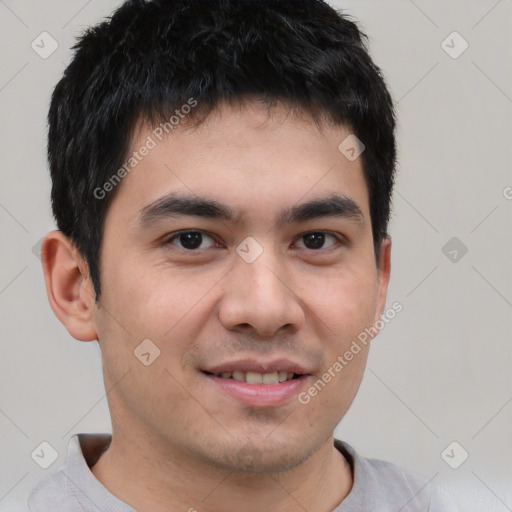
(169, 306)
(346, 303)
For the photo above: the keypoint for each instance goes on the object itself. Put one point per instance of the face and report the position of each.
(249, 295)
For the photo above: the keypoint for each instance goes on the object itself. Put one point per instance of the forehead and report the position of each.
(247, 155)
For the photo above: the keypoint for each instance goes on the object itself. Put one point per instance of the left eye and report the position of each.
(316, 240)
(190, 240)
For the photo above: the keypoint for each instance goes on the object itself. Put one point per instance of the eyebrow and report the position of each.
(174, 205)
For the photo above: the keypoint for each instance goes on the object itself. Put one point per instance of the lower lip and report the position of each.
(260, 395)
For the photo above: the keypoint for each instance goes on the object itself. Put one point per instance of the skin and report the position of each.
(192, 445)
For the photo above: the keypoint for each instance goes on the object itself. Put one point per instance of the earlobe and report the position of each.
(68, 286)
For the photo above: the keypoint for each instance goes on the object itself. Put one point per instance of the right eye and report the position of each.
(190, 240)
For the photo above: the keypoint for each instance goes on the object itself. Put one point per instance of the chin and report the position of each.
(258, 457)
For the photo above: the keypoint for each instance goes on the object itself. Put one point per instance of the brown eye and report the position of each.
(316, 240)
(189, 240)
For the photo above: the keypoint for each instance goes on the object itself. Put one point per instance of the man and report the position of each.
(222, 174)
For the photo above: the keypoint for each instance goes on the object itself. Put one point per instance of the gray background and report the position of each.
(439, 372)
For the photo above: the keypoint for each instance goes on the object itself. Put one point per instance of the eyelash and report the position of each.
(169, 240)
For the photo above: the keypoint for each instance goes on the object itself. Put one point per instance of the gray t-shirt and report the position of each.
(378, 486)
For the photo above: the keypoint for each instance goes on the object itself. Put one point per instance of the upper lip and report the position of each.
(259, 366)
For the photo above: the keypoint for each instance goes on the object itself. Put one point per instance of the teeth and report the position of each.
(270, 378)
(282, 376)
(254, 378)
(257, 378)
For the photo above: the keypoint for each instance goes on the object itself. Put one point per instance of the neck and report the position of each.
(148, 479)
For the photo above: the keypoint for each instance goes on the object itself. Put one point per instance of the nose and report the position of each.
(260, 296)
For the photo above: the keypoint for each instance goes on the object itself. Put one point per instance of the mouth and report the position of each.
(267, 379)
(258, 384)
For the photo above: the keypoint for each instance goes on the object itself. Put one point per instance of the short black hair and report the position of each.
(150, 58)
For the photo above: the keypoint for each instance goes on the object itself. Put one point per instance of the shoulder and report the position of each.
(384, 486)
(73, 486)
(54, 493)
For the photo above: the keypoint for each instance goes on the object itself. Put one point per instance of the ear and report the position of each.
(383, 273)
(68, 286)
